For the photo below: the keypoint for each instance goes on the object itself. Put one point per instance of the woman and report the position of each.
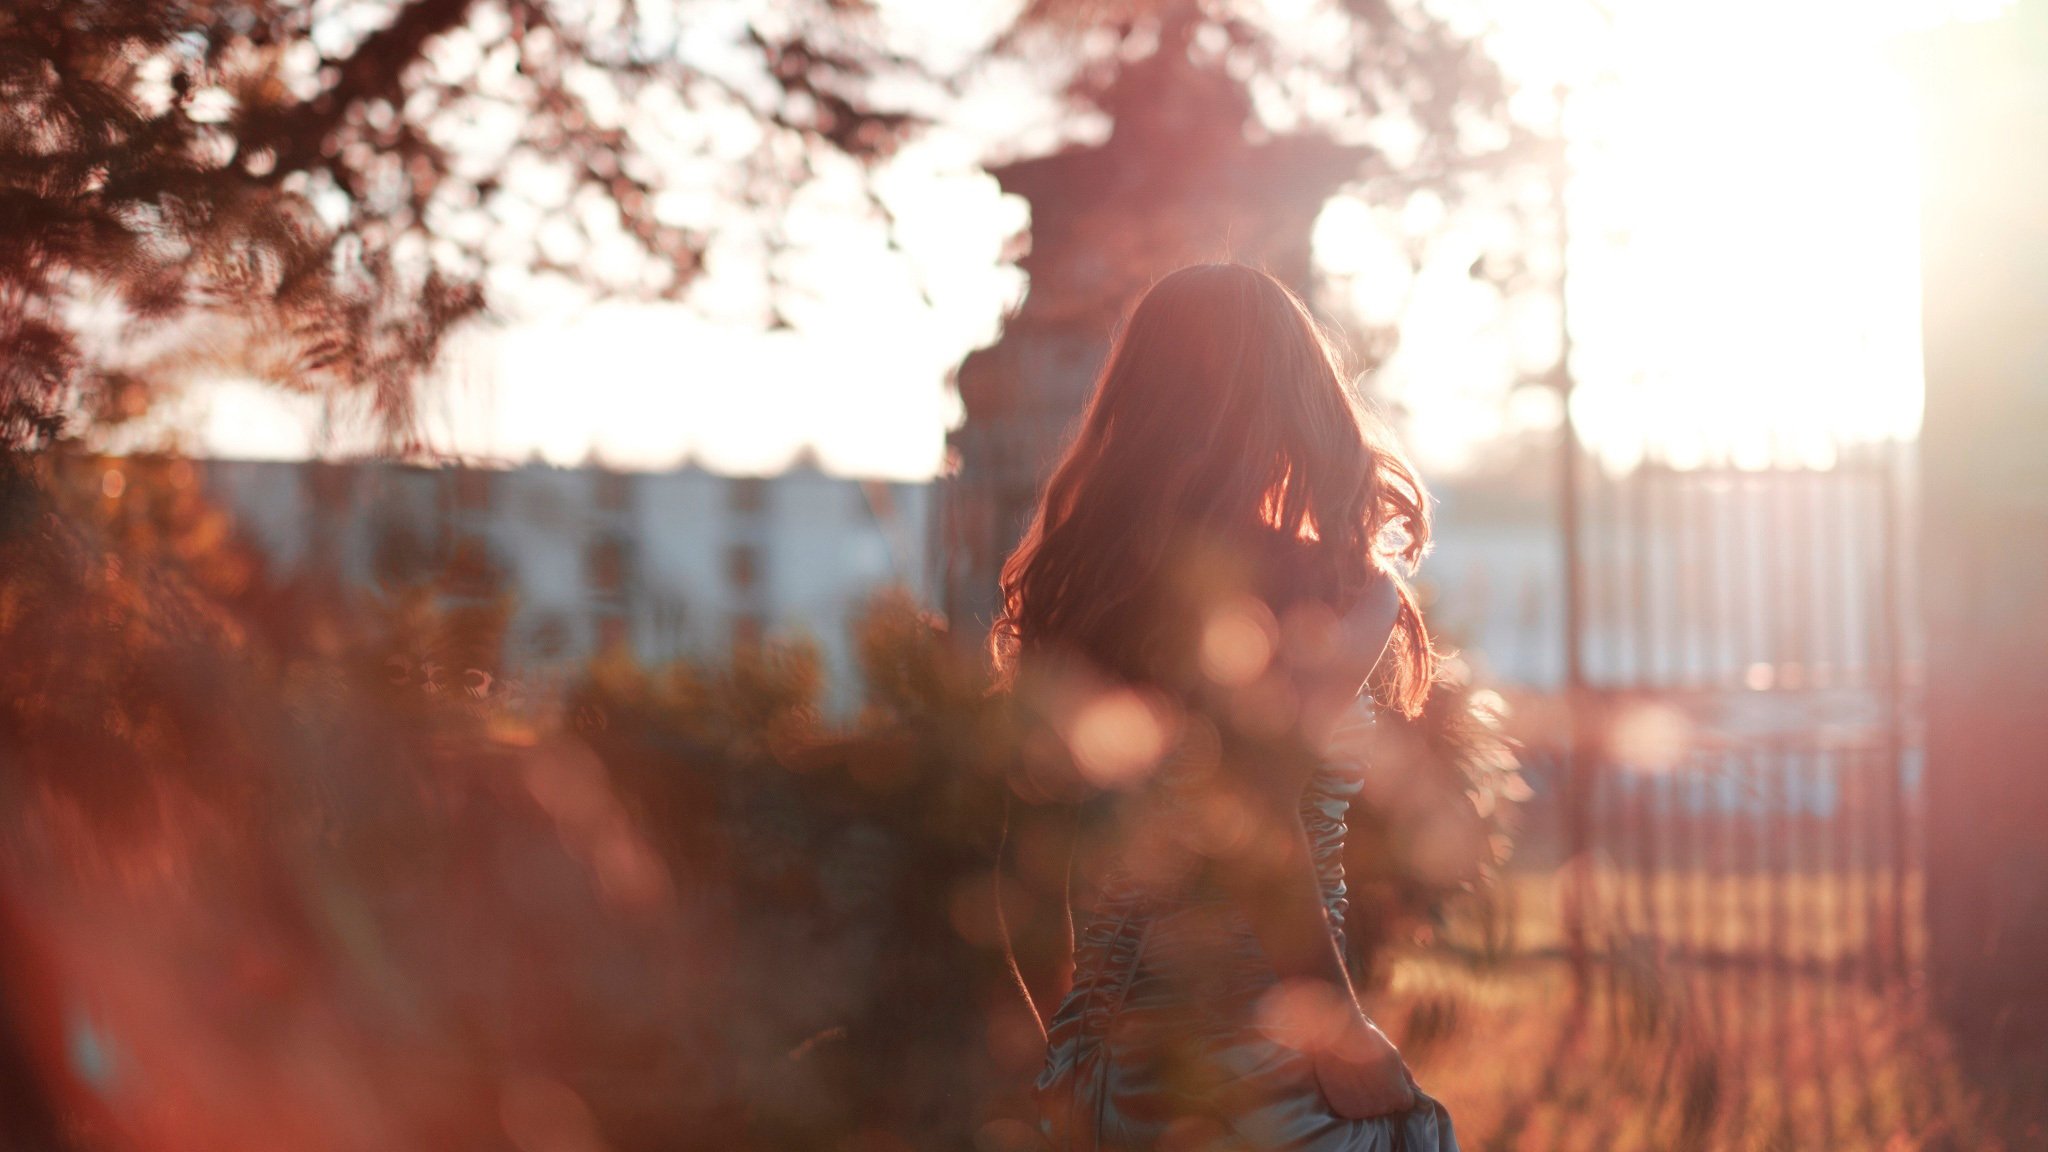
(1222, 544)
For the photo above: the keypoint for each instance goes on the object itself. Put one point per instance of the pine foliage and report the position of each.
(311, 193)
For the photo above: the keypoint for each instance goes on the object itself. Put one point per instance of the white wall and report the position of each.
(821, 545)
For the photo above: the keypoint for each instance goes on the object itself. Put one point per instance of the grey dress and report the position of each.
(1156, 1046)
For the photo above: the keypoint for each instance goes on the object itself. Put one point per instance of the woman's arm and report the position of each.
(1316, 1010)
(1274, 881)
(1331, 679)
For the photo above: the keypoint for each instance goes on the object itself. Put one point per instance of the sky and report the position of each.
(1743, 272)
(1743, 276)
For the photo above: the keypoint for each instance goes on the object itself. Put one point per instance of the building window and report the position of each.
(399, 555)
(747, 494)
(614, 492)
(748, 630)
(604, 566)
(472, 572)
(742, 566)
(549, 638)
(333, 486)
(472, 489)
(670, 633)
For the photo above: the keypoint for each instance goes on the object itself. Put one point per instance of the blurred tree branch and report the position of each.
(314, 192)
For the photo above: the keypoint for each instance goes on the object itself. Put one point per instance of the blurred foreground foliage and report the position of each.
(285, 863)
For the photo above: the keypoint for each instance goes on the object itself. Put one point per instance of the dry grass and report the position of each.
(1846, 919)
(1659, 1057)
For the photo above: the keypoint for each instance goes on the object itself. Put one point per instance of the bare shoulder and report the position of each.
(1369, 621)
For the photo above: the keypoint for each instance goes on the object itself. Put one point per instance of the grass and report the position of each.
(1660, 1056)
(1841, 919)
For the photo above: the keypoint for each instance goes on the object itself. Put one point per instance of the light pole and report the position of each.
(1578, 764)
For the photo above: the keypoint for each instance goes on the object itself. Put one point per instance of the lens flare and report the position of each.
(1237, 642)
(1117, 739)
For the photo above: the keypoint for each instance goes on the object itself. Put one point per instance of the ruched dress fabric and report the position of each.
(1157, 1045)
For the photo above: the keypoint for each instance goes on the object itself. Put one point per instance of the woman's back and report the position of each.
(1224, 538)
(1161, 1025)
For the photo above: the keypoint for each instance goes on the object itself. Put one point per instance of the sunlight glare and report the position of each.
(1744, 265)
(1117, 739)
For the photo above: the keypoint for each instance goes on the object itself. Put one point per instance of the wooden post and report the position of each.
(1984, 460)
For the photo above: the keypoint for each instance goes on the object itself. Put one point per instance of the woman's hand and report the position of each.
(1362, 1073)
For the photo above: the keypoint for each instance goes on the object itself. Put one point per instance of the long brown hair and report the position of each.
(1221, 410)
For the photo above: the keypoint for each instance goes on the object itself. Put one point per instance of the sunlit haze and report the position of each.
(1743, 276)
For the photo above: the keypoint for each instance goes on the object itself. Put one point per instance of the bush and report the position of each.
(284, 864)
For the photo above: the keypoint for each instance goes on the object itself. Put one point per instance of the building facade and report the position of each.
(669, 564)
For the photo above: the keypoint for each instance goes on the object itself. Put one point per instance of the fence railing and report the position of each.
(1748, 775)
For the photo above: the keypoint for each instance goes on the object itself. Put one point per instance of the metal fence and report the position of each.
(1741, 784)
